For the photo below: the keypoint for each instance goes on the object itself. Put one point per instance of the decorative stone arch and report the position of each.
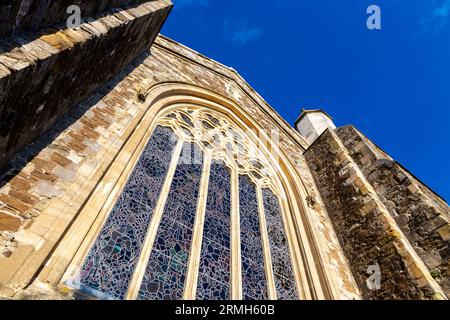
(311, 277)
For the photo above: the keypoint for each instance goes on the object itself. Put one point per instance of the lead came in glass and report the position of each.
(214, 270)
(254, 285)
(111, 261)
(282, 267)
(165, 275)
(113, 258)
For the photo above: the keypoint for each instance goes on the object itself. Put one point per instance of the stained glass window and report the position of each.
(113, 258)
(165, 275)
(254, 284)
(111, 261)
(281, 263)
(214, 270)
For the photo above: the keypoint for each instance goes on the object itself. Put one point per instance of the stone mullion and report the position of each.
(86, 229)
(190, 290)
(272, 293)
(298, 265)
(138, 275)
(236, 267)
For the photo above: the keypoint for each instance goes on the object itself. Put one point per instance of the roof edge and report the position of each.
(235, 76)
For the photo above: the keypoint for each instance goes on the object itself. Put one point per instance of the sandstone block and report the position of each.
(444, 232)
(19, 206)
(9, 222)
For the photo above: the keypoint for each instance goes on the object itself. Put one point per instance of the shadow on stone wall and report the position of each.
(31, 177)
(43, 79)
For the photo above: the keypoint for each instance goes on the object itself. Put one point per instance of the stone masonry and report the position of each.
(421, 214)
(368, 233)
(32, 15)
(45, 73)
(72, 99)
(57, 172)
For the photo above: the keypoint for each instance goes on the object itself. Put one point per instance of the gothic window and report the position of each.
(110, 264)
(199, 217)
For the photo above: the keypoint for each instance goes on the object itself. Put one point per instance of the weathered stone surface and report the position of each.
(444, 232)
(17, 205)
(365, 229)
(8, 222)
(422, 215)
(32, 15)
(101, 124)
(49, 72)
(7, 243)
(49, 190)
(82, 142)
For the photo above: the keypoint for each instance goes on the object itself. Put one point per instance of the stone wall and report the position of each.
(421, 214)
(367, 232)
(43, 75)
(20, 16)
(57, 173)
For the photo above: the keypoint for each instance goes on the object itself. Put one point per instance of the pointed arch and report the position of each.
(286, 184)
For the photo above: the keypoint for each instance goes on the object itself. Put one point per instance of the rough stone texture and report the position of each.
(43, 170)
(43, 75)
(171, 61)
(367, 232)
(7, 242)
(17, 16)
(9, 222)
(421, 214)
(79, 139)
(37, 77)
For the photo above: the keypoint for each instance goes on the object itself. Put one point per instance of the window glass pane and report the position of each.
(254, 284)
(113, 258)
(109, 266)
(282, 268)
(166, 271)
(214, 271)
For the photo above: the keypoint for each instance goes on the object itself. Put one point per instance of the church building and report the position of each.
(135, 168)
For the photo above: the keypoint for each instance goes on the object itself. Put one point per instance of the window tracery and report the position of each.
(109, 266)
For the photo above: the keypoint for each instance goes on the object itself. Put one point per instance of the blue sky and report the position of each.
(393, 84)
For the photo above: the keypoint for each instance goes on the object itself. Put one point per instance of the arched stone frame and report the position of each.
(69, 254)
